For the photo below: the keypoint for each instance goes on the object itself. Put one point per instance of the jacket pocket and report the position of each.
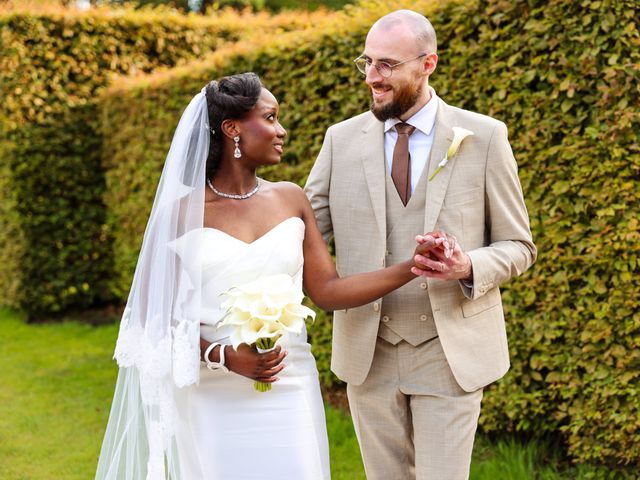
(474, 307)
(455, 199)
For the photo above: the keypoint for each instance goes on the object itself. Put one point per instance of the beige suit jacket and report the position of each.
(477, 197)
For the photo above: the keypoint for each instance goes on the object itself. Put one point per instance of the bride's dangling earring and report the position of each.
(237, 153)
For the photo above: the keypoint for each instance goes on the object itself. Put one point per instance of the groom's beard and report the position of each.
(404, 98)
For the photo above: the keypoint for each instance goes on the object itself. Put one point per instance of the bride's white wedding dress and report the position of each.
(232, 431)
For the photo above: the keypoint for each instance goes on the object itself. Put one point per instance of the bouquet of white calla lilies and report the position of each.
(459, 134)
(262, 310)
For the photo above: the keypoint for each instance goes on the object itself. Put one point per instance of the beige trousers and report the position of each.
(412, 419)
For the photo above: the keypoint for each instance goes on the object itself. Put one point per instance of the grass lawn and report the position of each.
(56, 387)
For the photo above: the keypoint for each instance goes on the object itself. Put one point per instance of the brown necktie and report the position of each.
(401, 167)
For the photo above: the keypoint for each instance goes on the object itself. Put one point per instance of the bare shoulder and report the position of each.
(288, 192)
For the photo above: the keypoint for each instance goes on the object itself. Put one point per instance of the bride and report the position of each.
(184, 406)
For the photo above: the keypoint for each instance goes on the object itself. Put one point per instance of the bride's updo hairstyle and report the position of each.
(231, 98)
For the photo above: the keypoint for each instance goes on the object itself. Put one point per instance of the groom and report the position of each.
(416, 361)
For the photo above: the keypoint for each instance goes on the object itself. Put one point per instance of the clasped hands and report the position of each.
(438, 255)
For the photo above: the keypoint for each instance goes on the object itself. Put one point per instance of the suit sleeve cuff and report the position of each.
(467, 288)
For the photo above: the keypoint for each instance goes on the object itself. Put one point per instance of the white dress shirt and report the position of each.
(420, 140)
(420, 143)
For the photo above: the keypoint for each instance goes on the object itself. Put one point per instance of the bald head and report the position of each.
(418, 25)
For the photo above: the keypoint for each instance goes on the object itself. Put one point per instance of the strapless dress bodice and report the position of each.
(225, 261)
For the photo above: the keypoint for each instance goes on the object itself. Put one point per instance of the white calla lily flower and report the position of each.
(459, 134)
(293, 315)
(265, 312)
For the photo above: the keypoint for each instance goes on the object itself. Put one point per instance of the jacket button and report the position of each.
(385, 318)
(376, 307)
(423, 318)
(423, 285)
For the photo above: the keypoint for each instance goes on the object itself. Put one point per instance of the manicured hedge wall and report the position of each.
(54, 251)
(564, 77)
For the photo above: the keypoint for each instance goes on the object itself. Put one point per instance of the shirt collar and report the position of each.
(424, 119)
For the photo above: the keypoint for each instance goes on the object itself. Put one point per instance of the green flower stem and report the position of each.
(264, 344)
(262, 386)
(437, 170)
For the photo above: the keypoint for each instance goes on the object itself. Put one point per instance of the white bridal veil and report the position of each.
(158, 347)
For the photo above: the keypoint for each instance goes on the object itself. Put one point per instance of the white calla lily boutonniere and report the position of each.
(459, 134)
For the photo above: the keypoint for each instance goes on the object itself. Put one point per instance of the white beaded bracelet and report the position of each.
(216, 365)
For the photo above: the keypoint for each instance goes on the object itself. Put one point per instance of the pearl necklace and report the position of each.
(234, 196)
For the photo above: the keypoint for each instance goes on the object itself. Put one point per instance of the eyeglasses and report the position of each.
(384, 69)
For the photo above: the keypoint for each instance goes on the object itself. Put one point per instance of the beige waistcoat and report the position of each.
(406, 312)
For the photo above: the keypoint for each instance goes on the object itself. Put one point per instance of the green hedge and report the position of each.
(564, 77)
(55, 254)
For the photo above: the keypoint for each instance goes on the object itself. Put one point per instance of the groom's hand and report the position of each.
(443, 259)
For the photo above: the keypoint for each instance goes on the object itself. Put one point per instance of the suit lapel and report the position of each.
(437, 187)
(374, 168)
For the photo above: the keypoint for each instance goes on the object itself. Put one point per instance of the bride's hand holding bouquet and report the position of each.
(261, 312)
(261, 367)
